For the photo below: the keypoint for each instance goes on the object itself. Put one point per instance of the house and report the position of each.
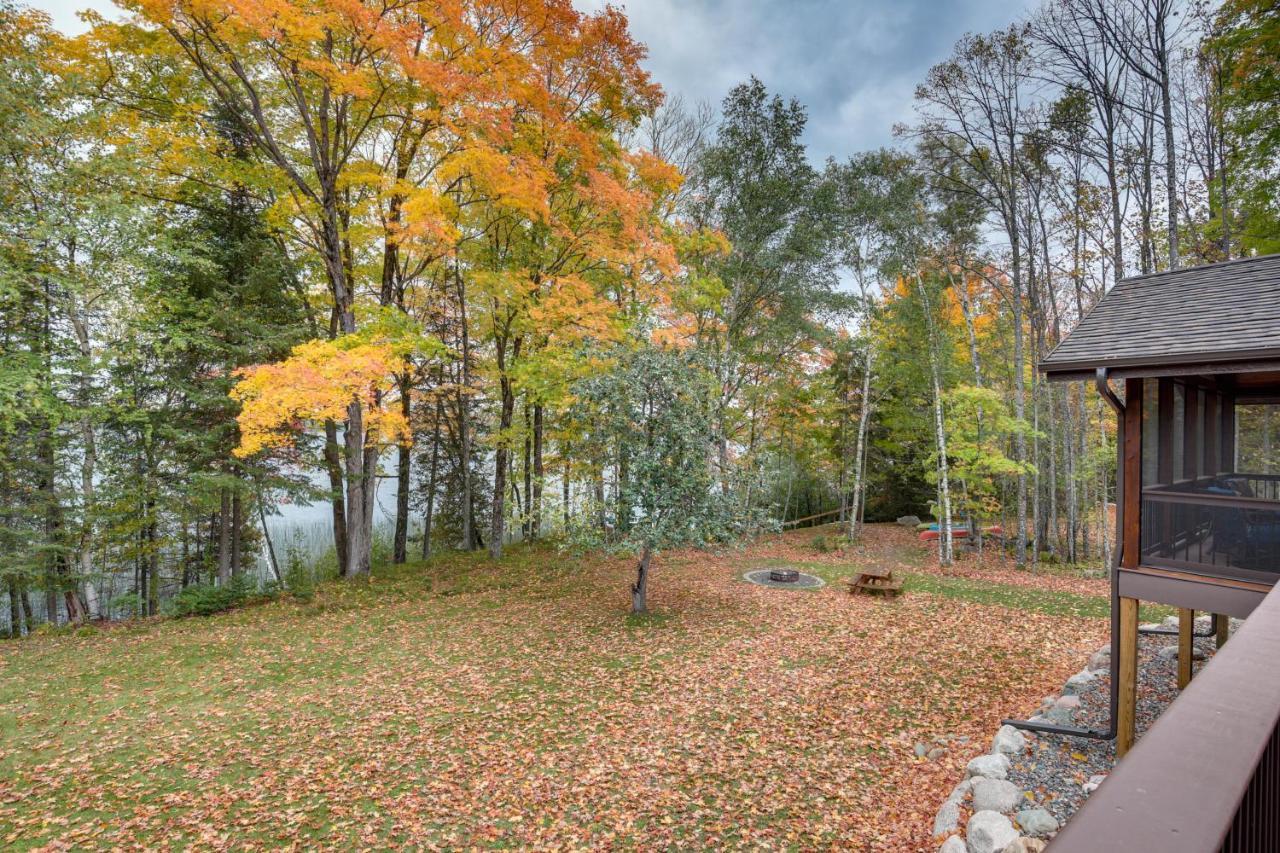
(1190, 361)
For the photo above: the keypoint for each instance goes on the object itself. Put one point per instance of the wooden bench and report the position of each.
(875, 582)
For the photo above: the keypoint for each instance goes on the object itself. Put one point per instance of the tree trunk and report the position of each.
(427, 517)
(337, 499)
(497, 524)
(526, 516)
(859, 456)
(940, 434)
(1170, 152)
(359, 532)
(224, 538)
(640, 589)
(400, 546)
(15, 616)
(266, 537)
(237, 534)
(462, 398)
(535, 503)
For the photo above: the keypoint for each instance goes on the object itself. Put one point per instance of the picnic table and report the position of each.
(875, 581)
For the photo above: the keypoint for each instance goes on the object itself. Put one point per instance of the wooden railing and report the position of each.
(1206, 777)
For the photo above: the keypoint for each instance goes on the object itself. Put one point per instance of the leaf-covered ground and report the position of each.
(462, 704)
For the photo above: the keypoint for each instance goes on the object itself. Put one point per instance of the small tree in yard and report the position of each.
(652, 413)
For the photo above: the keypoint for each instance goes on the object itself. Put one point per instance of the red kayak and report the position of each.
(959, 533)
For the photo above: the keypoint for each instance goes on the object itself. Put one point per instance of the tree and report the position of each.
(755, 186)
(656, 403)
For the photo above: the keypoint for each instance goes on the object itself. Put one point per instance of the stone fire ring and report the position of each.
(765, 577)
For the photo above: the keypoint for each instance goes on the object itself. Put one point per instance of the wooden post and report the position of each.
(1126, 713)
(1222, 624)
(1186, 624)
(1131, 548)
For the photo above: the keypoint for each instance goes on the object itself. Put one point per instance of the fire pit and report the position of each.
(783, 577)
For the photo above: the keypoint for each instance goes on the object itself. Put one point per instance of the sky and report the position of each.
(853, 63)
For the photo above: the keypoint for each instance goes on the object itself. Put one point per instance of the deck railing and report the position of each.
(1206, 777)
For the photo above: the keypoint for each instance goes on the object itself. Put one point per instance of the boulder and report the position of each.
(909, 520)
(1059, 716)
(936, 753)
(960, 791)
(1008, 741)
(1171, 653)
(1069, 701)
(989, 832)
(1100, 660)
(947, 820)
(995, 795)
(1025, 845)
(952, 845)
(988, 766)
(1077, 683)
(1037, 822)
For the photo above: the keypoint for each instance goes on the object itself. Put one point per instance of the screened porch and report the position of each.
(1211, 475)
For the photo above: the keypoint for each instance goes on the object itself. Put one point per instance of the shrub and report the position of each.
(204, 599)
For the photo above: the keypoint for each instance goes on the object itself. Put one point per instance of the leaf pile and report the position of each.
(522, 712)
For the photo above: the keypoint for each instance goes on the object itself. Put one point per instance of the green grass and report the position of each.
(1033, 599)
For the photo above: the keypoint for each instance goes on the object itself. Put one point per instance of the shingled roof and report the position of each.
(1199, 315)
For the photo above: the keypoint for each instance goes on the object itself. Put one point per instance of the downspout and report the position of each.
(1109, 733)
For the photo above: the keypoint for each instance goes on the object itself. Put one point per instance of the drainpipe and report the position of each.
(1109, 733)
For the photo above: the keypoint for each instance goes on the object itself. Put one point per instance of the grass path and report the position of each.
(462, 704)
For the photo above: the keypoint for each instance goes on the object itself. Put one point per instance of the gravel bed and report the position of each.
(1054, 768)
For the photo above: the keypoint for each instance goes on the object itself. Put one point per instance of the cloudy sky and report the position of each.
(853, 63)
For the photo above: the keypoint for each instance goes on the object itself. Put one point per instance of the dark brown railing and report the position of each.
(1206, 777)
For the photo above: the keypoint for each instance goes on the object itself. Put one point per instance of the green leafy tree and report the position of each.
(655, 403)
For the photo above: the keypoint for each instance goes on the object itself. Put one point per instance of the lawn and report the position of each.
(461, 704)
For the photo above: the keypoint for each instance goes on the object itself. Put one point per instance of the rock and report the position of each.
(1170, 622)
(1008, 741)
(995, 795)
(1093, 783)
(1100, 660)
(1025, 845)
(1077, 683)
(988, 766)
(1150, 626)
(909, 520)
(1036, 822)
(935, 753)
(947, 820)
(1171, 653)
(920, 750)
(960, 791)
(1070, 702)
(989, 832)
(952, 845)
(1059, 716)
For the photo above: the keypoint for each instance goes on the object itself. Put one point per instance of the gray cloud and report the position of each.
(853, 64)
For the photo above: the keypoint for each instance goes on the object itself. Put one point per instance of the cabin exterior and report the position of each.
(1190, 361)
